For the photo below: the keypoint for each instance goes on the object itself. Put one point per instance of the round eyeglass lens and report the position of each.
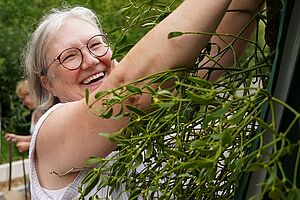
(98, 45)
(71, 58)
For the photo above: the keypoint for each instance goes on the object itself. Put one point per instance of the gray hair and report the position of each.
(35, 52)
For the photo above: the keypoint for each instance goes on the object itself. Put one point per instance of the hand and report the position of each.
(22, 146)
(10, 137)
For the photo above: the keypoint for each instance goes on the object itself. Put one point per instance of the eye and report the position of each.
(94, 45)
(69, 55)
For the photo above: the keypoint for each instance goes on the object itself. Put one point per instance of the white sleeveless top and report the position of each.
(32, 124)
(69, 192)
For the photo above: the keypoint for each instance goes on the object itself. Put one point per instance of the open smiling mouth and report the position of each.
(95, 78)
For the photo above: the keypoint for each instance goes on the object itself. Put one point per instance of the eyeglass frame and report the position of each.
(60, 63)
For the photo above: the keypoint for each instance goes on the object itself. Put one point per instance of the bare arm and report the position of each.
(160, 53)
(232, 24)
(17, 138)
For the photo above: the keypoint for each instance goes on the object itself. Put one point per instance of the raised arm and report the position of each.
(234, 22)
(155, 52)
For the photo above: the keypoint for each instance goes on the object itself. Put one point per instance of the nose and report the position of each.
(88, 59)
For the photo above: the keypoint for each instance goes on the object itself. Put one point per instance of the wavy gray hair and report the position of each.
(35, 51)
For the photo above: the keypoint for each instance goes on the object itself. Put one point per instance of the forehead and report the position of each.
(73, 33)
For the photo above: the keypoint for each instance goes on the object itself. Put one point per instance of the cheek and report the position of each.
(108, 56)
(107, 60)
(64, 76)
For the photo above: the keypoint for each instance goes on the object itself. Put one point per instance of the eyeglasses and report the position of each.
(71, 58)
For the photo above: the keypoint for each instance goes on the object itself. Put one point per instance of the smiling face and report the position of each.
(70, 85)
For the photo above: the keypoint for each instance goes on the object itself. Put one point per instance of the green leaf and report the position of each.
(149, 151)
(124, 8)
(164, 93)
(174, 34)
(135, 194)
(206, 151)
(118, 137)
(116, 55)
(138, 161)
(201, 82)
(161, 78)
(88, 177)
(133, 89)
(93, 161)
(125, 49)
(113, 137)
(119, 114)
(226, 139)
(272, 176)
(175, 153)
(100, 94)
(152, 24)
(92, 183)
(112, 181)
(199, 99)
(87, 95)
(141, 128)
(122, 40)
(217, 114)
(163, 15)
(111, 101)
(150, 89)
(166, 104)
(198, 164)
(106, 135)
(108, 114)
(118, 28)
(135, 110)
(121, 170)
(238, 115)
(197, 143)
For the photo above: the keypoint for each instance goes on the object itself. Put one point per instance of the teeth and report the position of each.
(87, 81)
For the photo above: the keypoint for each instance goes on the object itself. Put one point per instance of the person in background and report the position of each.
(23, 141)
(68, 52)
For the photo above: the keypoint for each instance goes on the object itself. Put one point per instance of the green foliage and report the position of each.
(186, 148)
(198, 138)
(138, 18)
(17, 121)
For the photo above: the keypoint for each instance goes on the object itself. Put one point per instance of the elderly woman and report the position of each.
(68, 53)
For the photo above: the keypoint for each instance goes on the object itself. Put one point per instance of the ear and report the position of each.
(45, 82)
